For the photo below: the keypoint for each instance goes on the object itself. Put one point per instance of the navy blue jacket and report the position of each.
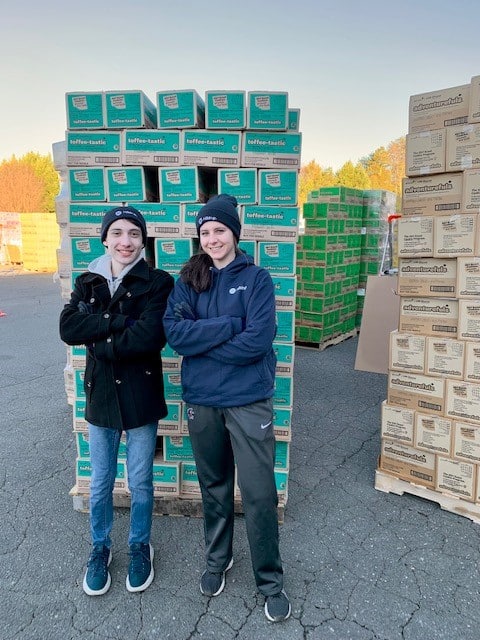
(228, 356)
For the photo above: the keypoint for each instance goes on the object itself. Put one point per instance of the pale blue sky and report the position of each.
(349, 66)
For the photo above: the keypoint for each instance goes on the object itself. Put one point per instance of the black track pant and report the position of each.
(243, 435)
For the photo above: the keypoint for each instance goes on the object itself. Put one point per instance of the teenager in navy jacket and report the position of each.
(221, 318)
(116, 308)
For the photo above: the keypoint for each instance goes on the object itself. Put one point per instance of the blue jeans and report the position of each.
(104, 444)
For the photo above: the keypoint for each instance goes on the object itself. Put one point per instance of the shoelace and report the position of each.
(98, 561)
(139, 559)
(277, 596)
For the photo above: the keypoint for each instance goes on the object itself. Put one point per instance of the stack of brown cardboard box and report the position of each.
(430, 425)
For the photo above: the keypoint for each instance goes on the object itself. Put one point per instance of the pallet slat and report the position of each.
(328, 341)
(167, 506)
(389, 484)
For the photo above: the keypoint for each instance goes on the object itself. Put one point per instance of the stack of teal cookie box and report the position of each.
(167, 157)
(108, 161)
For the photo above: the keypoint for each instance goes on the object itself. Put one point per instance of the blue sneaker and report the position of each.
(277, 607)
(212, 584)
(97, 579)
(140, 569)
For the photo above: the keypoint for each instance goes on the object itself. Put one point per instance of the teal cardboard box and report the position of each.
(85, 110)
(151, 147)
(87, 184)
(180, 109)
(181, 184)
(172, 253)
(267, 110)
(93, 148)
(240, 183)
(279, 258)
(276, 223)
(132, 109)
(225, 109)
(132, 184)
(203, 148)
(84, 250)
(278, 187)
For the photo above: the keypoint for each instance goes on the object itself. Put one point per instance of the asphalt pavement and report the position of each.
(359, 563)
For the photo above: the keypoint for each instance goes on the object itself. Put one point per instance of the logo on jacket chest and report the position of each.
(233, 290)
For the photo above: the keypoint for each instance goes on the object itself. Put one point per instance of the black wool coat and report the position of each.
(124, 335)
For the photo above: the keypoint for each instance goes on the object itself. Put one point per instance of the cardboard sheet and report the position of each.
(379, 318)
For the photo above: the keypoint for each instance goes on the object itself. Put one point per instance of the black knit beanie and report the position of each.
(222, 208)
(127, 213)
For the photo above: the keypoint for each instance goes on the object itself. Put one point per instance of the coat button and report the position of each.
(109, 339)
(92, 300)
(129, 294)
(106, 315)
(148, 373)
(89, 384)
(118, 381)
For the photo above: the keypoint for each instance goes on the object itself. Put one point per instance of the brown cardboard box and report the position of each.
(455, 235)
(468, 277)
(397, 423)
(469, 320)
(472, 362)
(462, 400)
(471, 190)
(432, 195)
(444, 357)
(429, 316)
(427, 277)
(415, 391)
(440, 108)
(474, 101)
(433, 433)
(408, 463)
(425, 152)
(415, 237)
(407, 352)
(462, 150)
(456, 478)
(466, 441)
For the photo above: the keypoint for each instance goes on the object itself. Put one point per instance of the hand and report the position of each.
(84, 307)
(183, 311)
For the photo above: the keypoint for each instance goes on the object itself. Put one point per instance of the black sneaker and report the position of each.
(97, 579)
(277, 607)
(140, 569)
(212, 584)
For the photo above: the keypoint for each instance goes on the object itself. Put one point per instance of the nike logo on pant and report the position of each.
(264, 426)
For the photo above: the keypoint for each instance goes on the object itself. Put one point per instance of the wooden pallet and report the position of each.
(328, 342)
(161, 506)
(389, 484)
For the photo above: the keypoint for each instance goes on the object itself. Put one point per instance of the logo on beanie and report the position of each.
(206, 219)
(128, 212)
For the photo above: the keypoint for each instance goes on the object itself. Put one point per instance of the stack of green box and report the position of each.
(328, 265)
(376, 255)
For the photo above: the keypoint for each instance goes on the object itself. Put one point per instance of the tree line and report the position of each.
(383, 170)
(31, 183)
(28, 184)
